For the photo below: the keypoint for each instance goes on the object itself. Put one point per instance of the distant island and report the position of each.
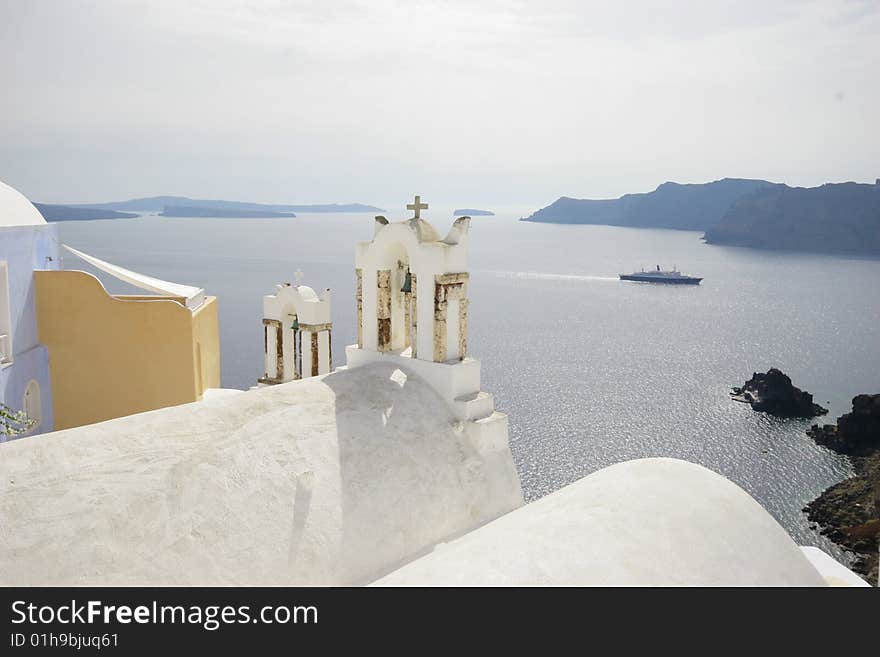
(70, 213)
(472, 213)
(158, 204)
(198, 211)
(671, 205)
(334, 207)
(832, 218)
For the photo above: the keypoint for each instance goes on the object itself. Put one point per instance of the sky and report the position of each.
(471, 103)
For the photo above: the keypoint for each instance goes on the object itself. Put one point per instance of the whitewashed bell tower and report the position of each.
(296, 333)
(412, 308)
(412, 286)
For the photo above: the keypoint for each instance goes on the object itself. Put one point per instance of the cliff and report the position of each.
(833, 218)
(671, 205)
(849, 512)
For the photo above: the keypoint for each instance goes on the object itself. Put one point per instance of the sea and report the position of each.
(590, 369)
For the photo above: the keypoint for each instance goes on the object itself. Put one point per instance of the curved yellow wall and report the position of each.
(110, 357)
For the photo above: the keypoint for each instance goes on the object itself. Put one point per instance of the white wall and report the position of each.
(5, 315)
(24, 249)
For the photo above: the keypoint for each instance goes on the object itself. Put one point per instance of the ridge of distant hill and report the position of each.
(461, 212)
(158, 203)
(671, 205)
(832, 218)
(53, 212)
(201, 211)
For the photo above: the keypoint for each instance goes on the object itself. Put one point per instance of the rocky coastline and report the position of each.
(849, 512)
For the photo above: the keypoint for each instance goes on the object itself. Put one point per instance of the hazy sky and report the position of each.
(468, 103)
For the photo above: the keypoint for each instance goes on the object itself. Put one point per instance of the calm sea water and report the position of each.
(591, 370)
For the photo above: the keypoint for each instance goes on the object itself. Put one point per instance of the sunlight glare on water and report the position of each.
(590, 369)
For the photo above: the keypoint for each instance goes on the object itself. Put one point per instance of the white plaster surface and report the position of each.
(218, 393)
(650, 522)
(833, 572)
(299, 300)
(330, 480)
(16, 209)
(452, 381)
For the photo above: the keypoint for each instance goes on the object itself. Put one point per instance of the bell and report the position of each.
(407, 283)
(295, 325)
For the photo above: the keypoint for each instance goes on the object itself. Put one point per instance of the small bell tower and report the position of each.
(412, 289)
(296, 333)
(412, 307)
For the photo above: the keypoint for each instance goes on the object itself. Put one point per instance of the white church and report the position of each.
(393, 469)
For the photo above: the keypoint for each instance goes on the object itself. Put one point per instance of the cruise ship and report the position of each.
(660, 276)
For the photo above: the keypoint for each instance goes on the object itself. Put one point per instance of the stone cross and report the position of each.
(417, 206)
(298, 277)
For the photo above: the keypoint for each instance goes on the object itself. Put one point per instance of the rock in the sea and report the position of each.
(774, 393)
(849, 512)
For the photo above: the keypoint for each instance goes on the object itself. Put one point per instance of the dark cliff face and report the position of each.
(671, 205)
(856, 433)
(849, 512)
(833, 218)
(774, 393)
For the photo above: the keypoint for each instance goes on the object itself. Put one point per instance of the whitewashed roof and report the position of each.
(16, 209)
(328, 480)
(649, 522)
(195, 296)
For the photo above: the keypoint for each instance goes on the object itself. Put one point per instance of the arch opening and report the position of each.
(32, 405)
(291, 340)
(396, 307)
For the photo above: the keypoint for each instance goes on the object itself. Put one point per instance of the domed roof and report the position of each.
(425, 231)
(649, 522)
(326, 480)
(306, 292)
(16, 210)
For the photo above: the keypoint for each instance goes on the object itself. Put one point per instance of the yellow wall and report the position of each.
(206, 345)
(110, 357)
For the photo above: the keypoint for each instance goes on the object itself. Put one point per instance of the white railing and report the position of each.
(5, 348)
